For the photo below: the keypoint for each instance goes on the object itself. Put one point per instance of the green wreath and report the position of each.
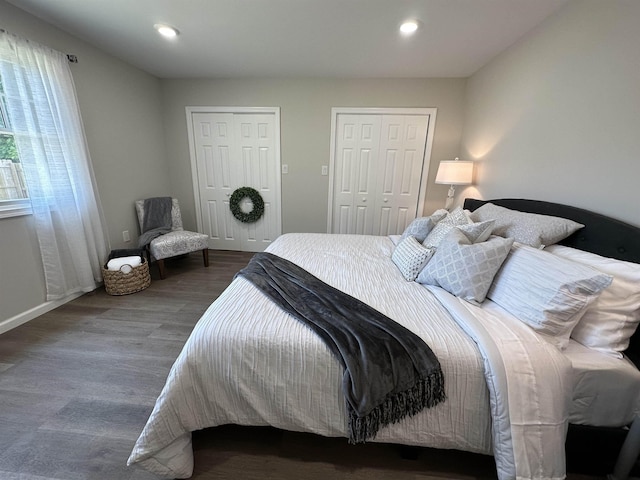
(258, 204)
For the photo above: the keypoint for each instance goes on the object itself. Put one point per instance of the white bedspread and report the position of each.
(530, 383)
(249, 363)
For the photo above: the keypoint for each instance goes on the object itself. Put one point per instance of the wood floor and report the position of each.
(78, 384)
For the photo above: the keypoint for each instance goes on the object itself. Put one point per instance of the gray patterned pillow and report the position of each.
(527, 228)
(410, 257)
(444, 226)
(439, 215)
(477, 232)
(419, 229)
(463, 268)
(458, 215)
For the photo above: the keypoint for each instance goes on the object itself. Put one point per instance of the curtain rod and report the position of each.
(72, 58)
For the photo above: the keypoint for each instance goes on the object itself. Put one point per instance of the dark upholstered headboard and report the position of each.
(601, 235)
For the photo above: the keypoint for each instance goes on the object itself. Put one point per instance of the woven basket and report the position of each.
(120, 283)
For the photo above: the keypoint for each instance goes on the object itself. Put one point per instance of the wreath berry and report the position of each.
(258, 204)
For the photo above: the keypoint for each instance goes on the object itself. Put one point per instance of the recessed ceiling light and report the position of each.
(409, 27)
(166, 30)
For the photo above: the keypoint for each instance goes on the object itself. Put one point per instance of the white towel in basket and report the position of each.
(124, 264)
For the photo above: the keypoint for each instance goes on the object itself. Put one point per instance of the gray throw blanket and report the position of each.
(156, 220)
(390, 372)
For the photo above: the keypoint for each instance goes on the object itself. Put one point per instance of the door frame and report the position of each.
(190, 110)
(424, 176)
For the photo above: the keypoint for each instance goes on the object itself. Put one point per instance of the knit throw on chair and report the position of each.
(156, 220)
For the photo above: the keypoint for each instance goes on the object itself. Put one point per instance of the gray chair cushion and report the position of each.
(178, 242)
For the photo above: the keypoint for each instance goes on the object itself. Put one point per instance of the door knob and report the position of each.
(228, 194)
(364, 199)
(386, 200)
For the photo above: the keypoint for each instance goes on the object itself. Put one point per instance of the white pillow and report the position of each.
(463, 268)
(528, 228)
(410, 257)
(548, 293)
(613, 318)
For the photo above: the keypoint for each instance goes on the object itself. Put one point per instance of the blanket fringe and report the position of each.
(426, 393)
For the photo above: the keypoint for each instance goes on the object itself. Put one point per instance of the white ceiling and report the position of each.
(298, 38)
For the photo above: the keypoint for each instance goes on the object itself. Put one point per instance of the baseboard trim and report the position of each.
(34, 312)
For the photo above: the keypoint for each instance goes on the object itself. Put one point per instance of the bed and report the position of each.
(511, 392)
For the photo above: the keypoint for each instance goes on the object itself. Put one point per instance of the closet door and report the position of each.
(399, 169)
(215, 153)
(355, 173)
(256, 167)
(377, 165)
(230, 150)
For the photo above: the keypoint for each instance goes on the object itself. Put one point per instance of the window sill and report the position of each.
(15, 208)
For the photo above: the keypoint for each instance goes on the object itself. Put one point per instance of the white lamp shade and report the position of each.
(455, 172)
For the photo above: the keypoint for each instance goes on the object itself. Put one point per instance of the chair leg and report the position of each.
(161, 268)
(205, 256)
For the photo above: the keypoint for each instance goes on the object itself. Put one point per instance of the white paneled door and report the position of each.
(378, 164)
(233, 149)
(357, 151)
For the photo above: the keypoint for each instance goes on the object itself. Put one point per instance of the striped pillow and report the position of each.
(547, 292)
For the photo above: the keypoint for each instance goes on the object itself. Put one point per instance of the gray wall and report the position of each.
(121, 110)
(557, 116)
(305, 118)
(136, 131)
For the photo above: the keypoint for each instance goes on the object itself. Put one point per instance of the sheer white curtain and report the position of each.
(43, 111)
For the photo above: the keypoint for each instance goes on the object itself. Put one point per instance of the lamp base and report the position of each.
(449, 203)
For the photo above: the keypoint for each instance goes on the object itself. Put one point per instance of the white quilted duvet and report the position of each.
(248, 363)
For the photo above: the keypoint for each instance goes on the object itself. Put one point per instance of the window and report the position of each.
(13, 187)
(42, 118)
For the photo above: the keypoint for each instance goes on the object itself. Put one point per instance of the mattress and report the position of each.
(606, 389)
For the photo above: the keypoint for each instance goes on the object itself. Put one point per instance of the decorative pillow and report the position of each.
(410, 257)
(477, 232)
(528, 228)
(438, 215)
(613, 318)
(444, 226)
(420, 227)
(463, 268)
(457, 215)
(548, 293)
